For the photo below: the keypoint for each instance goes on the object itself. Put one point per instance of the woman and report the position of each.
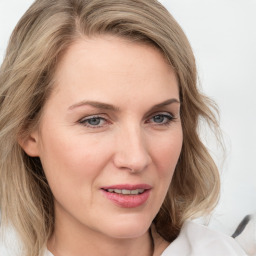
(100, 151)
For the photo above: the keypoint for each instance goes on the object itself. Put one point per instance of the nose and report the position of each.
(131, 150)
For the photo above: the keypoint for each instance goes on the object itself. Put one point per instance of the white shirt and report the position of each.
(198, 240)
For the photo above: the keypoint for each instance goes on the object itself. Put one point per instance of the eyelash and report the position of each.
(168, 117)
(85, 121)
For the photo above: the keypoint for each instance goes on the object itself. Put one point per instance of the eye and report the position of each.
(161, 119)
(93, 121)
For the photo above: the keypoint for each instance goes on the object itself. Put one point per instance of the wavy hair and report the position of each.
(37, 43)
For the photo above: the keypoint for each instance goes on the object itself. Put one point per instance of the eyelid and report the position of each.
(167, 115)
(83, 121)
(161, 113)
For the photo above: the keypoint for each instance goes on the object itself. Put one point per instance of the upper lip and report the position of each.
(128, 186)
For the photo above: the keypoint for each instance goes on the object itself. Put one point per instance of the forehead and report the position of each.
(102, 48)
(109, 66)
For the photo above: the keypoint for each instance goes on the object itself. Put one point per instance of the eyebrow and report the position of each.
(95, 104)
(165, 103)
(105, 106)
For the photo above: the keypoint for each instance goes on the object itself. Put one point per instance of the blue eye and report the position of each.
(161, 119)
(94, 121)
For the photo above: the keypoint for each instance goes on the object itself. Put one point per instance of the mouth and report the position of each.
(125, 191)
(127, 196)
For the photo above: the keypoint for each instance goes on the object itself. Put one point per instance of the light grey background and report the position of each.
(223, 36)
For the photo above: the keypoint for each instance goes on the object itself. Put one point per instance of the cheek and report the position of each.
(72, 165)
(69, 159)
(73, 160)
(166, 153)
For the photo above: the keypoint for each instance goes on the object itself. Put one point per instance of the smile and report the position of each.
(126, 191)
(127, 196)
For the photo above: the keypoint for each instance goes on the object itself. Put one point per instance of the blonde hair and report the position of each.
(39, 40)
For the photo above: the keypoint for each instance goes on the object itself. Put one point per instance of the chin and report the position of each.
(128, 226)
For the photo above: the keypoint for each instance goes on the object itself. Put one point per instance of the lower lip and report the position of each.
(127, 201)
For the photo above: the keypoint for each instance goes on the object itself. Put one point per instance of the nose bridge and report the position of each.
(131, 148)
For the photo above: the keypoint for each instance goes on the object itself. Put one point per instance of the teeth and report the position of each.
(135, 192)
(126, 191)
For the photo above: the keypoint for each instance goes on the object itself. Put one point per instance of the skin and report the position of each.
(135, 141)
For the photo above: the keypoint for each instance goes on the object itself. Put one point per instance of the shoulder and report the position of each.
(196, 240)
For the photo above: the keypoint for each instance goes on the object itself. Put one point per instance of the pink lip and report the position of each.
(128, 186)
(128, 201)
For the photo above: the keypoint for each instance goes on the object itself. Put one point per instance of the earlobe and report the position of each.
(30, 144)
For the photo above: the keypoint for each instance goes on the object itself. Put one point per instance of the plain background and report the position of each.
(223, 36)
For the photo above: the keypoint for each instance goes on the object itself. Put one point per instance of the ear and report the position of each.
(30, 144)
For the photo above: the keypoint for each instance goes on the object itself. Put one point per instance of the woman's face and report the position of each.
(110, 136)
